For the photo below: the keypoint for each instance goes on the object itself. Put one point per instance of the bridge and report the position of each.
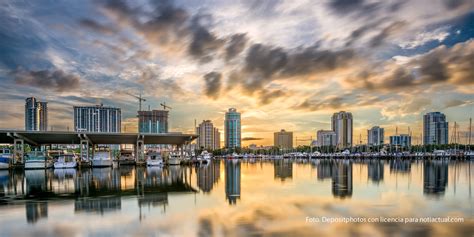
(85, 140)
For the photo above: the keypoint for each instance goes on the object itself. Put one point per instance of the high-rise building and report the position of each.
(283, 139)
(402, 140)
(98, 118)
(375, 136)
(342, 125)
(232, 128)
(153, 121)
(36, 115)
(326, 138)
(209, 136)
(435, 128)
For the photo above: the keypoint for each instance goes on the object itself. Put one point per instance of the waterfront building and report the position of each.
(98, 118)
(232, 128)
(326, 138)
(342, 125)
(402, 140)
(375, 136)
(36, 115)
(153, 121)
(209, 136)
(283, 139)
(435, 129)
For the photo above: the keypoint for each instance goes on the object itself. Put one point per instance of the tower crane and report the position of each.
(140, 100)
(165, 106)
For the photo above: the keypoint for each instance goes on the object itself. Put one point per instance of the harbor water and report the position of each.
(243, 198)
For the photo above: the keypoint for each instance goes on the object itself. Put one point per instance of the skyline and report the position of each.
(388, 63)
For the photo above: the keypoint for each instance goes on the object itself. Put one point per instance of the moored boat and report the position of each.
(154, 159)
(66, 161)
(38, 160)
(102, 158)
(5, 158)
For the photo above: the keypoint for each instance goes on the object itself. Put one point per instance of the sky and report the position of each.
(283, 64)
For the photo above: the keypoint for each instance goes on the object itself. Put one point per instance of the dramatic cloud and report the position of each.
(50, 80)
(95, 26)
(252, 138)
(213, 84)
(235, 46)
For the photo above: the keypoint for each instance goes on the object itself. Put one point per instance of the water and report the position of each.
(240, 198)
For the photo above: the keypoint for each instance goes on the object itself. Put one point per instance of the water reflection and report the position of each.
(283, 169)
(36, 211)
(400, 166)
(435, 177)
(375, 171)
(208, 175)
(342, 179)
(232, 180)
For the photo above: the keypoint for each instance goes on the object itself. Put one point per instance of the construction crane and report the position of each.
(140, 100)
(165, 106)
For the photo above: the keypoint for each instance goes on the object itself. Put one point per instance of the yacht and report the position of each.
(127, 157)
(5, 158)
(154, 159)
(66, 161)
(469, 154)
(206, 155)
(38, 160)
(102, 158)
(174, 159)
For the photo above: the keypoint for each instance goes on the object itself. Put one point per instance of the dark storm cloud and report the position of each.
(344, 6)
(268, 96)
(386, 32)
(213, 84)
(204, 44)
(56, 80)
(432, 69)
(95, 26)
(235, 45)
(251, 139)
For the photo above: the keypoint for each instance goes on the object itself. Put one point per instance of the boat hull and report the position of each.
(101, 163)
(154, 163)
(4, 163)
(38, 165)
(65, 165)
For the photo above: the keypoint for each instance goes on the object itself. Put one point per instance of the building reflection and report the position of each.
(232, 181)
(208, 175)
(435, 177)
(375, 170)
(283, 169)
(342, 179)
(36, 211)
(400, 166)
(324, 169)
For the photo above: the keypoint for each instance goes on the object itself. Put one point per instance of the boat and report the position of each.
(5, 158)
(206, 155)
(66, 161)
(469, 154)
(174, 159)
(38, 160)
(154, 159)
(126, 157)
(102, 158)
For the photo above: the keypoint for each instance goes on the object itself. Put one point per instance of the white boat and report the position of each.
(102, 158)
(206, 155)
(127, 157)
(154, 159)
(66, 161)
(5, 158)
(38, 160)
(174, 159)
(469, 154)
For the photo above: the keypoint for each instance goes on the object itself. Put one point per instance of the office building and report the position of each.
(232, 128)
(98, 118)
(326, 138)
(283, 139)
(435, 129)
(402, 140)
(209, 136)
(36, 115)
(153, 121)
(342, 125)
(375, 136)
